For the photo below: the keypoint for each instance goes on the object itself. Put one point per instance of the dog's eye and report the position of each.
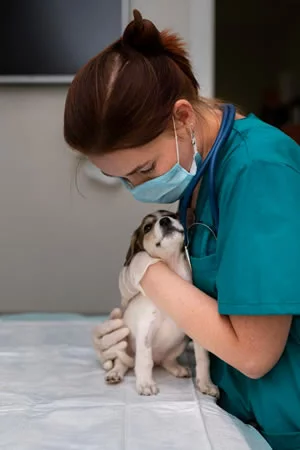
(147, 228)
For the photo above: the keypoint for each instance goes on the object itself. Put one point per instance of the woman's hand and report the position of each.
(131, 276)
(110, 339)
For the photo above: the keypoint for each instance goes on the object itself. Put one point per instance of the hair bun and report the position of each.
(143, 36)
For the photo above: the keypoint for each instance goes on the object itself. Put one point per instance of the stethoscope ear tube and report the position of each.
(209, 163)
(222, 138)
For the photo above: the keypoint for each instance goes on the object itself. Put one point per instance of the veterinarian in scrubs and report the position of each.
(126, 110)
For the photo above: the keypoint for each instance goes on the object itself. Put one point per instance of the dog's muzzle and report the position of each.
(168, 227)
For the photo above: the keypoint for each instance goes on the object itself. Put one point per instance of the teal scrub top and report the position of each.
(253, 267)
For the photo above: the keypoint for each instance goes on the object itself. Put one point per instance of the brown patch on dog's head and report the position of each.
(136, 245)
(137, 239)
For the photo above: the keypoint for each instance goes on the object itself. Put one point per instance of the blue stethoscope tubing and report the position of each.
(209, 164)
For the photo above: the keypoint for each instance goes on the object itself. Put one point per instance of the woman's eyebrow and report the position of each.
(137, 168)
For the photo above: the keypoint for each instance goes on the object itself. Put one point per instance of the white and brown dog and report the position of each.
(154, 338)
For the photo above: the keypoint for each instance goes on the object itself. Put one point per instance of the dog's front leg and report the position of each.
(117, 373)
(203, 380)
(143, 357)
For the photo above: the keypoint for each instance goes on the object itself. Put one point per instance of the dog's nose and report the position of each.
(165, 222)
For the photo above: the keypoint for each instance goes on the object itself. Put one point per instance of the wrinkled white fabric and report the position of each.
(131, 276)
(53, 397)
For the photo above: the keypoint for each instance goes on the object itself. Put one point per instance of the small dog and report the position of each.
(154, 338)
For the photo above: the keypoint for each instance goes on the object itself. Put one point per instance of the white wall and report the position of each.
(60, 252)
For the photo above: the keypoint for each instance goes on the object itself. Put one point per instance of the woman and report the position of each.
(128, 110)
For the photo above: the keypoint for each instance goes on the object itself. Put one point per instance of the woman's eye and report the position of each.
(147, 170)
(147, 228)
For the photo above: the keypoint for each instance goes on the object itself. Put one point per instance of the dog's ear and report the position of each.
(136, 246)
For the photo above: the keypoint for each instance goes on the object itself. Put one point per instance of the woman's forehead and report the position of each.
(121, 163)
(124, 162)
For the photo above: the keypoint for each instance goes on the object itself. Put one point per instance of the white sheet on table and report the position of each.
(52, 396)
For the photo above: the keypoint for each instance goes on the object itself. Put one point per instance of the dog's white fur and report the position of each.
(154, 338)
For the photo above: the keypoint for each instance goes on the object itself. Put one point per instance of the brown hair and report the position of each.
(124, 96)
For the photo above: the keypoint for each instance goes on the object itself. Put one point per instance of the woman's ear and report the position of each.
(184, 114)
(136, 246)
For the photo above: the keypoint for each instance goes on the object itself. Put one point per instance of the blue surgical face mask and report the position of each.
(169, 187)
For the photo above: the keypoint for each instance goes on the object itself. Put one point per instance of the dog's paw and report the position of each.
(182, 372)
(176, 369)
(208, 388)
(147, 388)
(113, 377)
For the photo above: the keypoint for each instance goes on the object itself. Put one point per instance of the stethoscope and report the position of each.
(209, 164)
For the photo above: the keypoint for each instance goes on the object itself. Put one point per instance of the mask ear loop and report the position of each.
(193, 139)
(176, 140)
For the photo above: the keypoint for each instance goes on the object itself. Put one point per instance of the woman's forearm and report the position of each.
(251, 344)
(194, 312)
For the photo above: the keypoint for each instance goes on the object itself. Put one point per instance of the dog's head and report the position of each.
(160, 234)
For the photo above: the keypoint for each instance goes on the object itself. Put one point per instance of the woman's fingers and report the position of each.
(107, 327)
(110, 340)
(113, 351)
(113, 338)
(116, 314)
(108, 356)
